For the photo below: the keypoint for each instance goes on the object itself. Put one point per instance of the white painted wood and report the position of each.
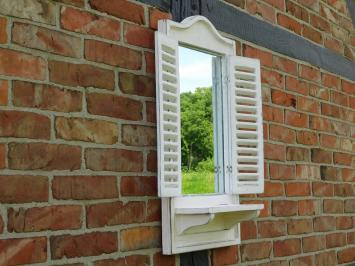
(246, 128)
(168, 116)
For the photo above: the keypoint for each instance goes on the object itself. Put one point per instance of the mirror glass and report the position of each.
(200, 129)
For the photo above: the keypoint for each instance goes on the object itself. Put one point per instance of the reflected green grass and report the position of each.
(198, 182)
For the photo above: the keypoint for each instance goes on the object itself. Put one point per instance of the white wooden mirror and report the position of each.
(196, 218)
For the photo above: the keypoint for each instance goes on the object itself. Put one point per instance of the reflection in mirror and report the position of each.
(200, 158)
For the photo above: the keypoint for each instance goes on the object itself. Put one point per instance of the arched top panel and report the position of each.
(199, 33)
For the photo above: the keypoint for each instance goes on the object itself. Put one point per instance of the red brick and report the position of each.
(113, 55)
(153, 210)
(299, 226)
(265, 11)
(307, 207)
(296, 119)
(329, 173)
(335, 240)
(284, 208)
(319, 23)
(151, 112)
(351, 238)
(325, 259)
(279, 4)
(46, 40)
(155, 15)
(313, 243)
(321, 189)
(255, 251)
(84, 187)
(272, 190)
(297, 11)
(274, 152)
(2, 156)
(287, 247)
(330, 110)
(282, 98)
(90, 244)
(125, 261)
(140, 238)
(87, 23)
(308, 105)
(114, 106)
(268, 229)
(304, 261)
(297, 154)
(4, 92)
(324, 223)
(283, 134)
(138, 186)
(137, 84)
(152, 161)
(81, 75)
(247, 230)
(333, 44)
(318, 92)
(285, 65)
(149, 62)
(305, 171)
(264, 57)
(78, 3)
(46, 97)
(297, 189)
(24, 125)
(329, 141)
(43, 156)
(320, 124)
(307, 138)
(118, 160)
(309, 73)
(114, 213)
(344, 222)
(272, 78)
(293, 84)
(57, 217)
(289, 23)
(223, 256)
(312, 34)
(321, 156)
(139, 36)
(348, 87)
(346, 255)
(344, 190)
(21, 251)
(1, 225)
(339, 98)
(348, 175)
(273, 114)
(281, 171)
(3, 30)
(264, 212)
(121, 9)
(15, 189)
(330, 81)
(342, 158)
(22, 65)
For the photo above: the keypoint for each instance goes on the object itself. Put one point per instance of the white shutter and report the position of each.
(247, 158)
(168, 116)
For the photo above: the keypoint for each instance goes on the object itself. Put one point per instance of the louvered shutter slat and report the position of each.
(168, 116)
(247, 174)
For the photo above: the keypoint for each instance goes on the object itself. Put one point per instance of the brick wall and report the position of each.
(77, 144)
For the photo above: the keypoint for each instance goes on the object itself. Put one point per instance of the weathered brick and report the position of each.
(325, 258)
(261, 9)
(297, 11)
(282, 171)
(272, 78)
(289, 23)
(126, 261)
(87, 23)
(284, 208)
(339, 98)
(86, 130)
(149, 62)
(3, 30)
(84, 187)
(284, 64)
(272, 189)
(46, 40)
(121, 9)
(36, 10)
(140, 238)
(312, 34)
(152, 161)
(297, 154)
(307, 260)
(138, 186)
(348, 87)
(248, 230)
(153, 210)
(223, 256)
(330, 110)
(313, 243)
(343, 158)
(335, 240)
(151, 112)
(329, 173)
(155, 15)
(333, 44)
(268, 229)
(299, 226)
(137, 84)
(58, 217)
(46, 97)
(118, 160)
(309, 73)
(114, 213)
(83, 75)
(78, 3)
(346, 255)
(2, 156)
(307, 138)
(4, 92)
(264, 57)
(330, 81)
(255, 251)
(308, 105)
(305, 171)
(287, 247)
(297, 189)
(321, 189)
(296, 119)
(114, 106)
(319, 23)
(113, 55)
(43, 156)
(329, 141)
(273, 114)
(15, 188)
(321, 156)
(344, 222)
(318, 92)
(282, 98)
(138, 36)
(293, 84)
(307, 207)
(24, 125)
(14, 63)
(274, 152)
(90, 244)
(19, 251)
(135, 135)
(349, 206)
(324, 223)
